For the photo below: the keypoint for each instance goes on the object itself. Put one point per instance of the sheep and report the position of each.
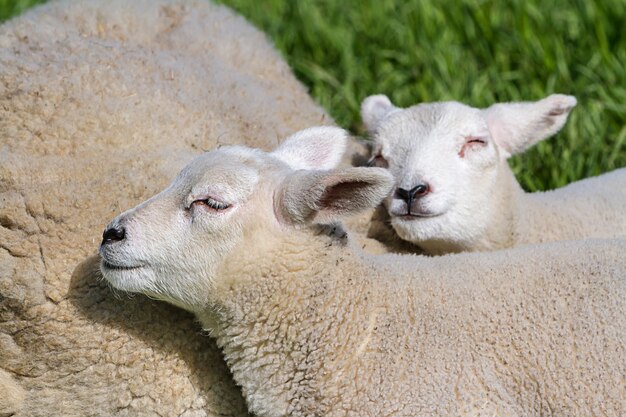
(101, 103)
(454, 188)
(251, 243)
(11, 395)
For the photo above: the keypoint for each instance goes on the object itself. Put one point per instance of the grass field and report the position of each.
(477, 52)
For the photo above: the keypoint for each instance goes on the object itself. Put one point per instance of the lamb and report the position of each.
(454, 188)
(309, 325)
(101, 103)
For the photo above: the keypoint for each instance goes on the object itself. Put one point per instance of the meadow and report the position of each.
(475, 51)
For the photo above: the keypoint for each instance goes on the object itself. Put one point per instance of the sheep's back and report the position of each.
(591, 208)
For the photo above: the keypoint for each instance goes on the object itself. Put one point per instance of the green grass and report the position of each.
(477, 52)
(10, 8)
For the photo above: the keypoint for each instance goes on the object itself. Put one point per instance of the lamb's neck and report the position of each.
(271, 320)
(548, 216)
(501, 216)
(286, 268)
(531, 215)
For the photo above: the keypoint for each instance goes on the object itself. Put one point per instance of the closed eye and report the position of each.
(472, 139)
(378, 161)
(472, 143)
(211, 203)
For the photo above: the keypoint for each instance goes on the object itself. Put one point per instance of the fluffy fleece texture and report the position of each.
(312, 326)
(452, 159)
(100, 102)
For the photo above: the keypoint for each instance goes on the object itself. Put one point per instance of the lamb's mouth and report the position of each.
(108, 265)
(415, 216)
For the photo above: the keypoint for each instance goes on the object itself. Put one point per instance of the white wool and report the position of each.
(311, 325)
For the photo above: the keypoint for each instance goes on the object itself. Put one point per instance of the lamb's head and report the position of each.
(172, 246)
(448, 160)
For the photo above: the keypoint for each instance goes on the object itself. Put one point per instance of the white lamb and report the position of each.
(454, 188)
(310, 325)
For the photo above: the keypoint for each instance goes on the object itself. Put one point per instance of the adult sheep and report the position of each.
(454, 188)
(312, 326)
(100, 102)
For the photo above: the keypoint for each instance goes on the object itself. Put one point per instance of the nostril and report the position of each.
(113, 234)
(416, 192)
(420, 190)
(403, 194)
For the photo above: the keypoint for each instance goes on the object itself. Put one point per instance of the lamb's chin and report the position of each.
(415, 229)
(125, 279)
(406, 229)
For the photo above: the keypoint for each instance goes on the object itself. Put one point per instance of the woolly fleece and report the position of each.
(312, 326)
(533, 331)
(101, 103)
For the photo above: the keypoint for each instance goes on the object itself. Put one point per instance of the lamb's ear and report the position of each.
(516, 127)
(326, 196)
(375, 109)
(313, 148)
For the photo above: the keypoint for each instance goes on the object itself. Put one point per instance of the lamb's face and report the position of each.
(446, 159)
(172, 246)
(444, 162)
(169, 246)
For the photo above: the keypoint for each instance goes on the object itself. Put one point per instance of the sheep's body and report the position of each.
(97, 96)
(328, 331)
(11, 394)
(310, 325)
(471, 200)
(593, 207)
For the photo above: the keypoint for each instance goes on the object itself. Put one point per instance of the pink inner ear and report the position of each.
(499, 133)
(339, 197)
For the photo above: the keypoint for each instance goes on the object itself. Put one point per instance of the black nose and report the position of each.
(113, 234)
(416, 192)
